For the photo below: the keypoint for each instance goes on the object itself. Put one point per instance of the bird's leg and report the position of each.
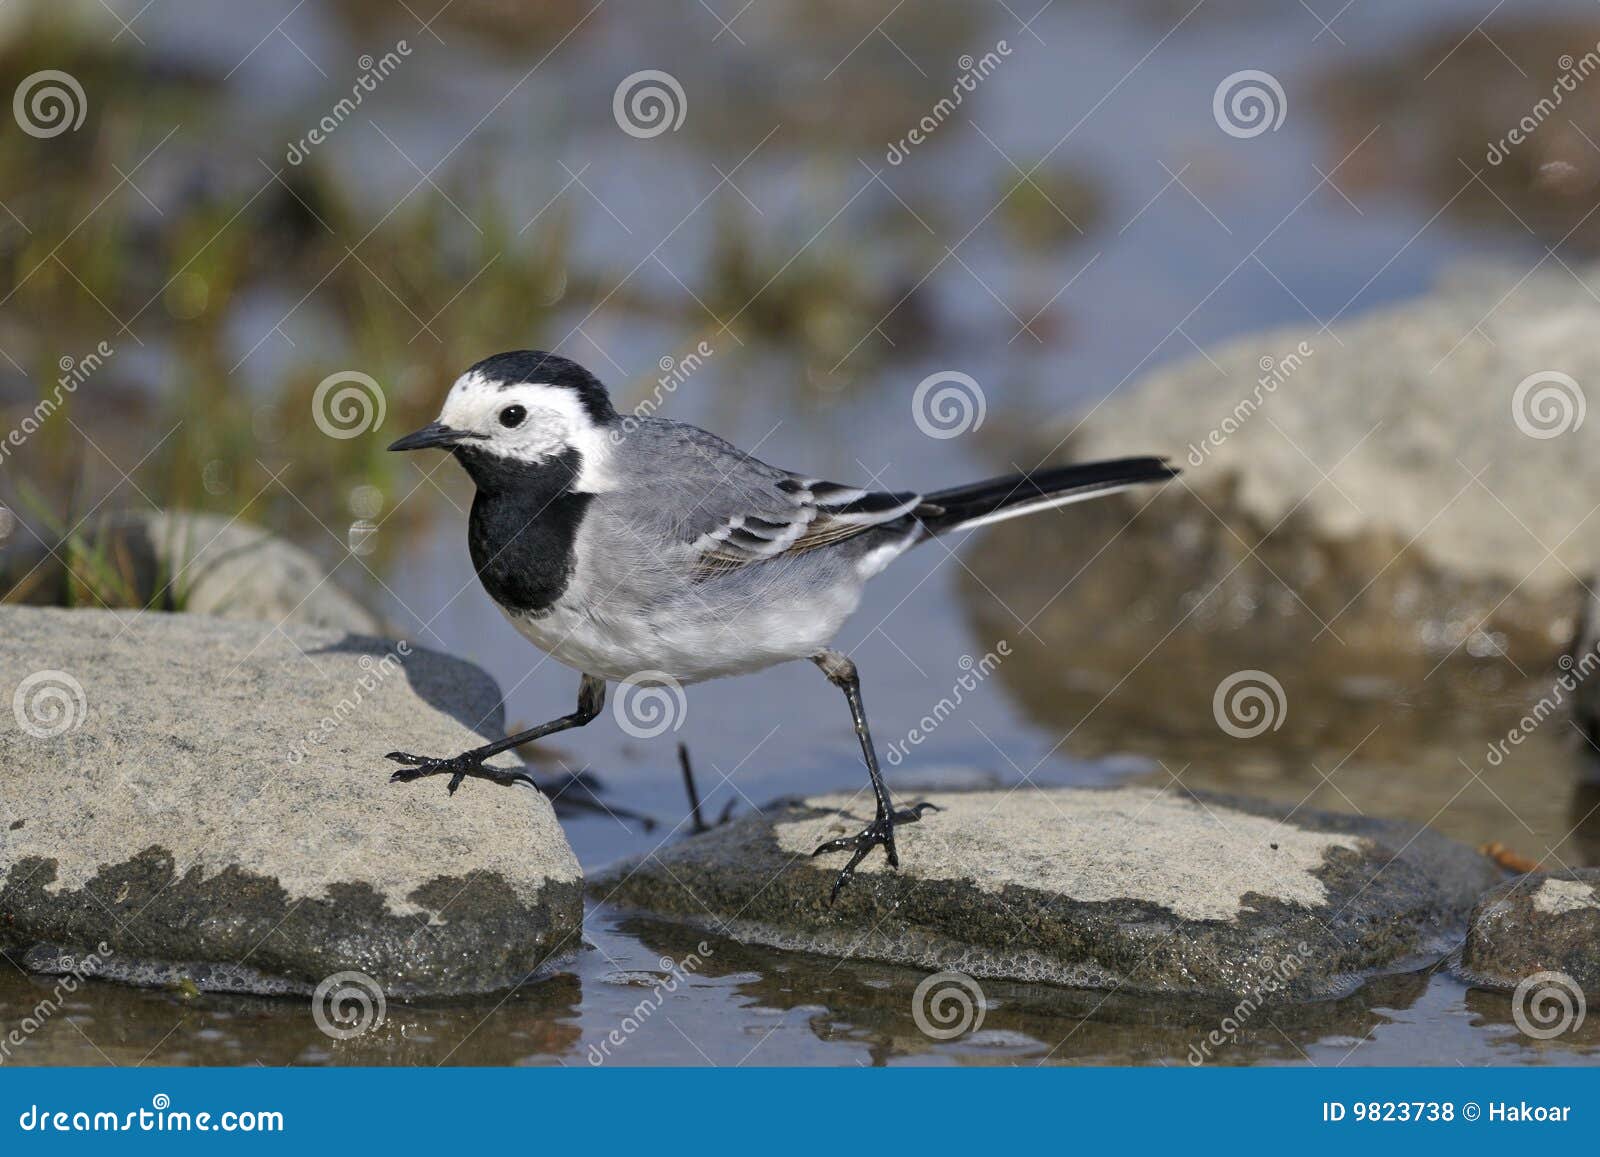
(591, 698)
(841, 672)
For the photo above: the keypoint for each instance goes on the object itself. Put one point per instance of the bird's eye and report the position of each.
(511, 417)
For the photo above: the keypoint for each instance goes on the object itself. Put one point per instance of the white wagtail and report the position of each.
(625, 546)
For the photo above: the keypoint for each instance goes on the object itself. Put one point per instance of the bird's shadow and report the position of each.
(453, 686)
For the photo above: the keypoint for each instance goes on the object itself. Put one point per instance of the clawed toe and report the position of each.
(879, 833)
(457, 767)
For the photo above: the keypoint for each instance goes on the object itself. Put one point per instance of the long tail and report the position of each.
(981, 503)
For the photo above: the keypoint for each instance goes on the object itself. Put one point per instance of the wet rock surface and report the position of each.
(1538, 923)
(210, 801)
(1132, 889)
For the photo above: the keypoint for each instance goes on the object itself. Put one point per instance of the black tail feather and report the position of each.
(1019, 494)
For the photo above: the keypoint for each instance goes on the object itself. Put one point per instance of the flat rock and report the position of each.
(211, 801)
(1131, 888)
(1538, 923)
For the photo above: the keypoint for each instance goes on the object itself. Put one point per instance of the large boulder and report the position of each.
(1132, 889)
(210, 801)
(1404, 504)
(1540, 923)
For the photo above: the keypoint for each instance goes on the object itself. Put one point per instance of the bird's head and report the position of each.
(526, 408)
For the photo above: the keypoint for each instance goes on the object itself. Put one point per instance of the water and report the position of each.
(1190, 237)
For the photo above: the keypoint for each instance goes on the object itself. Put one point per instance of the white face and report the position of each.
(551, 421)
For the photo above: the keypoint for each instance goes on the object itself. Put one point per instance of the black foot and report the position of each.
(879, 833)
(457, 767)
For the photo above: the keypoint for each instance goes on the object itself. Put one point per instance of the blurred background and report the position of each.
(723, 210)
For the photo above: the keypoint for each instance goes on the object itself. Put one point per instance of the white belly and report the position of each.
(619, 642)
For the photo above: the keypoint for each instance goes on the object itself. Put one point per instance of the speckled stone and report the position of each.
(216, 806)
(1130, 888)
(1537, 923)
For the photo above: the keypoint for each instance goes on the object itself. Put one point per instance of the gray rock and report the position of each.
(233, 570)
(205, 564)
(1376, 510)
(210, 799)
(1132, 889)
(1538, 923)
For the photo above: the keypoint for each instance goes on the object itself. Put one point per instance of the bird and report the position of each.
(622, 546)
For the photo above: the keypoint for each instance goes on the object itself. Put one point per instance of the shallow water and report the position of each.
(1171, 264)
(753, 1007)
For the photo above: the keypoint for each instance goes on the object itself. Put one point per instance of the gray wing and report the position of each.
(728, 510)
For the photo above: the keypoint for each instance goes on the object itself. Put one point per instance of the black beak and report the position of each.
(435, 435)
